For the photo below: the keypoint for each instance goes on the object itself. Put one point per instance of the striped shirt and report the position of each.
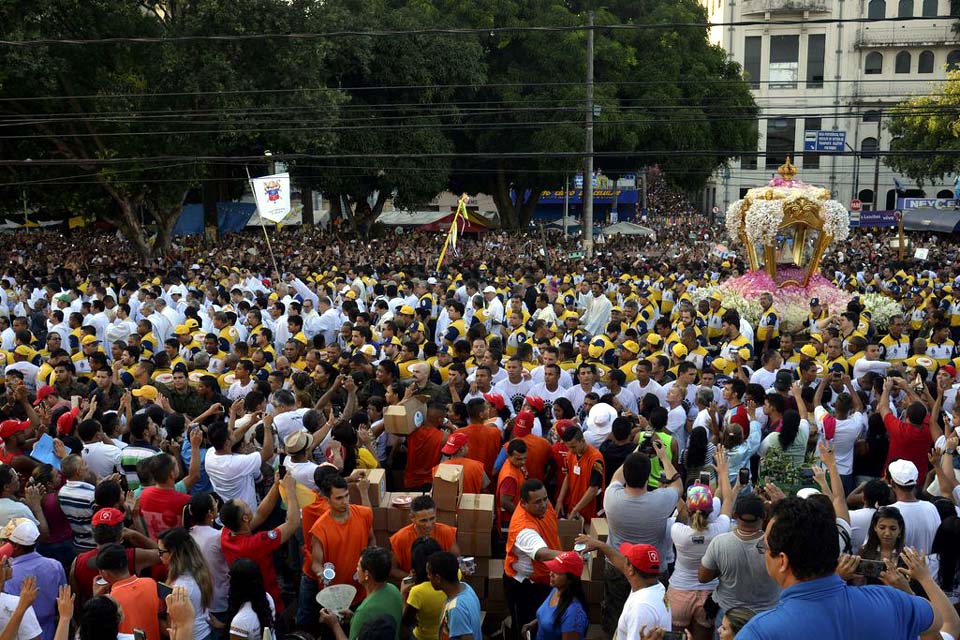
(132, 455)
(77, 503)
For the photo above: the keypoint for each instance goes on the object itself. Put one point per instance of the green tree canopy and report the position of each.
(925, 123)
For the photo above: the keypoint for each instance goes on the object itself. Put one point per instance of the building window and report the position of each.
(874, 63)
(871, 116)
(953, 60)
(811, 160)
(877, 10)
(815, 48)
(905, 9)
(751, 60)
(784, 62)
(929, 8)
(866, 197)
(749, 161)
(945, 193)
(868, 148)
(781, 139)
(902, 62)
(925, 63)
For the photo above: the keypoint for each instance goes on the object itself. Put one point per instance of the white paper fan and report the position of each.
(336, 597)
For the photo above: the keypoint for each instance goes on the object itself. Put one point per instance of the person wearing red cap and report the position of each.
(484, 440)
(645, 607)
(563, 615)
(539, 453)
(455, 451)
(512, 475)
(532, 539)
(423, 450)
(14, 434)
(584, 478)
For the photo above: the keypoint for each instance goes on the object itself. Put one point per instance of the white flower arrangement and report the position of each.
(762, 220)
(748, 309)
(733, 221)
(836, 220)
(881, 309)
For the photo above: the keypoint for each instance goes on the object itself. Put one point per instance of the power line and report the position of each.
(436, 31)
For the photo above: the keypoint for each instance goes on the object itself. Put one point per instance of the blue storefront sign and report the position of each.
(936, 203)
(601, 196)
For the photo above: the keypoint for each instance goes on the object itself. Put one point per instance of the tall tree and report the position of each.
(145, 104)
(923, 124)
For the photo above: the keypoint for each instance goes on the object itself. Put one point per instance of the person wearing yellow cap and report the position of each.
(88, 346)
(735, 347)
(715, 318)
(627, 359)
(187, 344)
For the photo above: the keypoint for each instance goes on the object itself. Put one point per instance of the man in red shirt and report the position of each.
(911, 439)
(733, 391)
(483, 439)
(423, 450)
(162, 504)
(423, 524)
(237, 539)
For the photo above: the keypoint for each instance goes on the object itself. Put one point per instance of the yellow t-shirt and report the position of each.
(429, 604)
(366, 460)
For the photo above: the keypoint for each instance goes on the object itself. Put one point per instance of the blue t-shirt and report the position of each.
(828, 609)
(574, 620)
(461, 615)
(203, 485)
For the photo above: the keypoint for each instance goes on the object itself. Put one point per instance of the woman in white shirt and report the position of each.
(186, 568)
(686, 593)
(250, 607)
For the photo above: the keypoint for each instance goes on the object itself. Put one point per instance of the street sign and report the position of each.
(856, 205)
(824, 140)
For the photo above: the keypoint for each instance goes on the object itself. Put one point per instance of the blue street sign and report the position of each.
(824, 140)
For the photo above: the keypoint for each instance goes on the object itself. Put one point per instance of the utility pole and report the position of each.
(587, 223)
(566, 204)
(876, 166)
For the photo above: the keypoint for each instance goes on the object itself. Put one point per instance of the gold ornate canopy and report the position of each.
(786, 226)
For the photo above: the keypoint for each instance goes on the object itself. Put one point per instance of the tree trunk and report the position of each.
(500, 190)
(165, 225)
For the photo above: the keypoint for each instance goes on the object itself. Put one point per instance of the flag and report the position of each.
(897, 185)
(272, 194)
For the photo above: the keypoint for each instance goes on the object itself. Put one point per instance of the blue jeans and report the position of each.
(308, 611)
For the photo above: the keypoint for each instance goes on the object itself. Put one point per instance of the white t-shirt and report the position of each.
(763, 377)
(691, 545)
(860, 524)
(233, 475)
(288, 422)
(921, 521)
(201, 627)
(677, 425)
(208, 539)
(101, 458)
(652, 387)
(643, 608)
(526, 545)
(847, 433)
(238, 391)
(246, 624)
(302, 472)
(29, 627)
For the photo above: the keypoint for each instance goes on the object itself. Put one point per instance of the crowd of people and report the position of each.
(187, 445)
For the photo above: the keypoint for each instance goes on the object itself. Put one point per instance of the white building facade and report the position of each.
(832, 75)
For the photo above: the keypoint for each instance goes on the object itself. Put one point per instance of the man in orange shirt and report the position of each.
(137, 597)
(583, 481)
(512, 475)
(308, 613)
(532, 539)
(423, 450)
(423, 524)
(455, 451)
(484, 439)
(341, 535)
(539, 452)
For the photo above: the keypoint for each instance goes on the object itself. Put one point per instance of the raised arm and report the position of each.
(883, 404)
(854, 396)
(835, 489)
(797, 389)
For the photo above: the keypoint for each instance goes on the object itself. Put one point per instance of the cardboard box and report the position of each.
(447, 517)
(376, 490)
(495, 591)
(592, 589)
(380, 512)
(478, 584)
(567, 527)
(476, 544)
(476, 512)
(448, 486)
(404, 419)
(599, 529)
(489, 567)
(598, 566)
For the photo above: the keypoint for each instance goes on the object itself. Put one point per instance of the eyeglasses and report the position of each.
(163, 552)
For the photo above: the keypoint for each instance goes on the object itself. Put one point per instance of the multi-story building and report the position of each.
(821, 71)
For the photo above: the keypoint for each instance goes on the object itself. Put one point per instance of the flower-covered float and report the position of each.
(784, 228)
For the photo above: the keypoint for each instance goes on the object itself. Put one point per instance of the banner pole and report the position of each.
(273, 259)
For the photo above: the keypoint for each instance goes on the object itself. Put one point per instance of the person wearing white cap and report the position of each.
(599, 423)
(493, 309)
(921, 518)
(49, 575)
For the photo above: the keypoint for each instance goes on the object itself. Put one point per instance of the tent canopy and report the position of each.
(434, 220)
(627, 229)
(931, 219)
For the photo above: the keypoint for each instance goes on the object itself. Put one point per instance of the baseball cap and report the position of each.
(654, 339)
(806, 492)
(783, 380)
(631, 346)
(949, 368)
(65, 423)
(148, 392)
(536, 402)
(903, 473)
(88, 340)
(296, 442)
(26, 534)
(680, 350)
(495, 399)
(644, 557)
(809, 350)
(368, 350)
(523, 424)
(700, 498)
(9, 428)
(182, 330)
(23, 350)
(489, 289)
(108, 516)
(454, 443)
(407, 310)
(814, 302)
(749, 507)
(43, 393)
(567, 562)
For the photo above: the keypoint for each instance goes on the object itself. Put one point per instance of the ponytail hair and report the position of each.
(196, 511)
